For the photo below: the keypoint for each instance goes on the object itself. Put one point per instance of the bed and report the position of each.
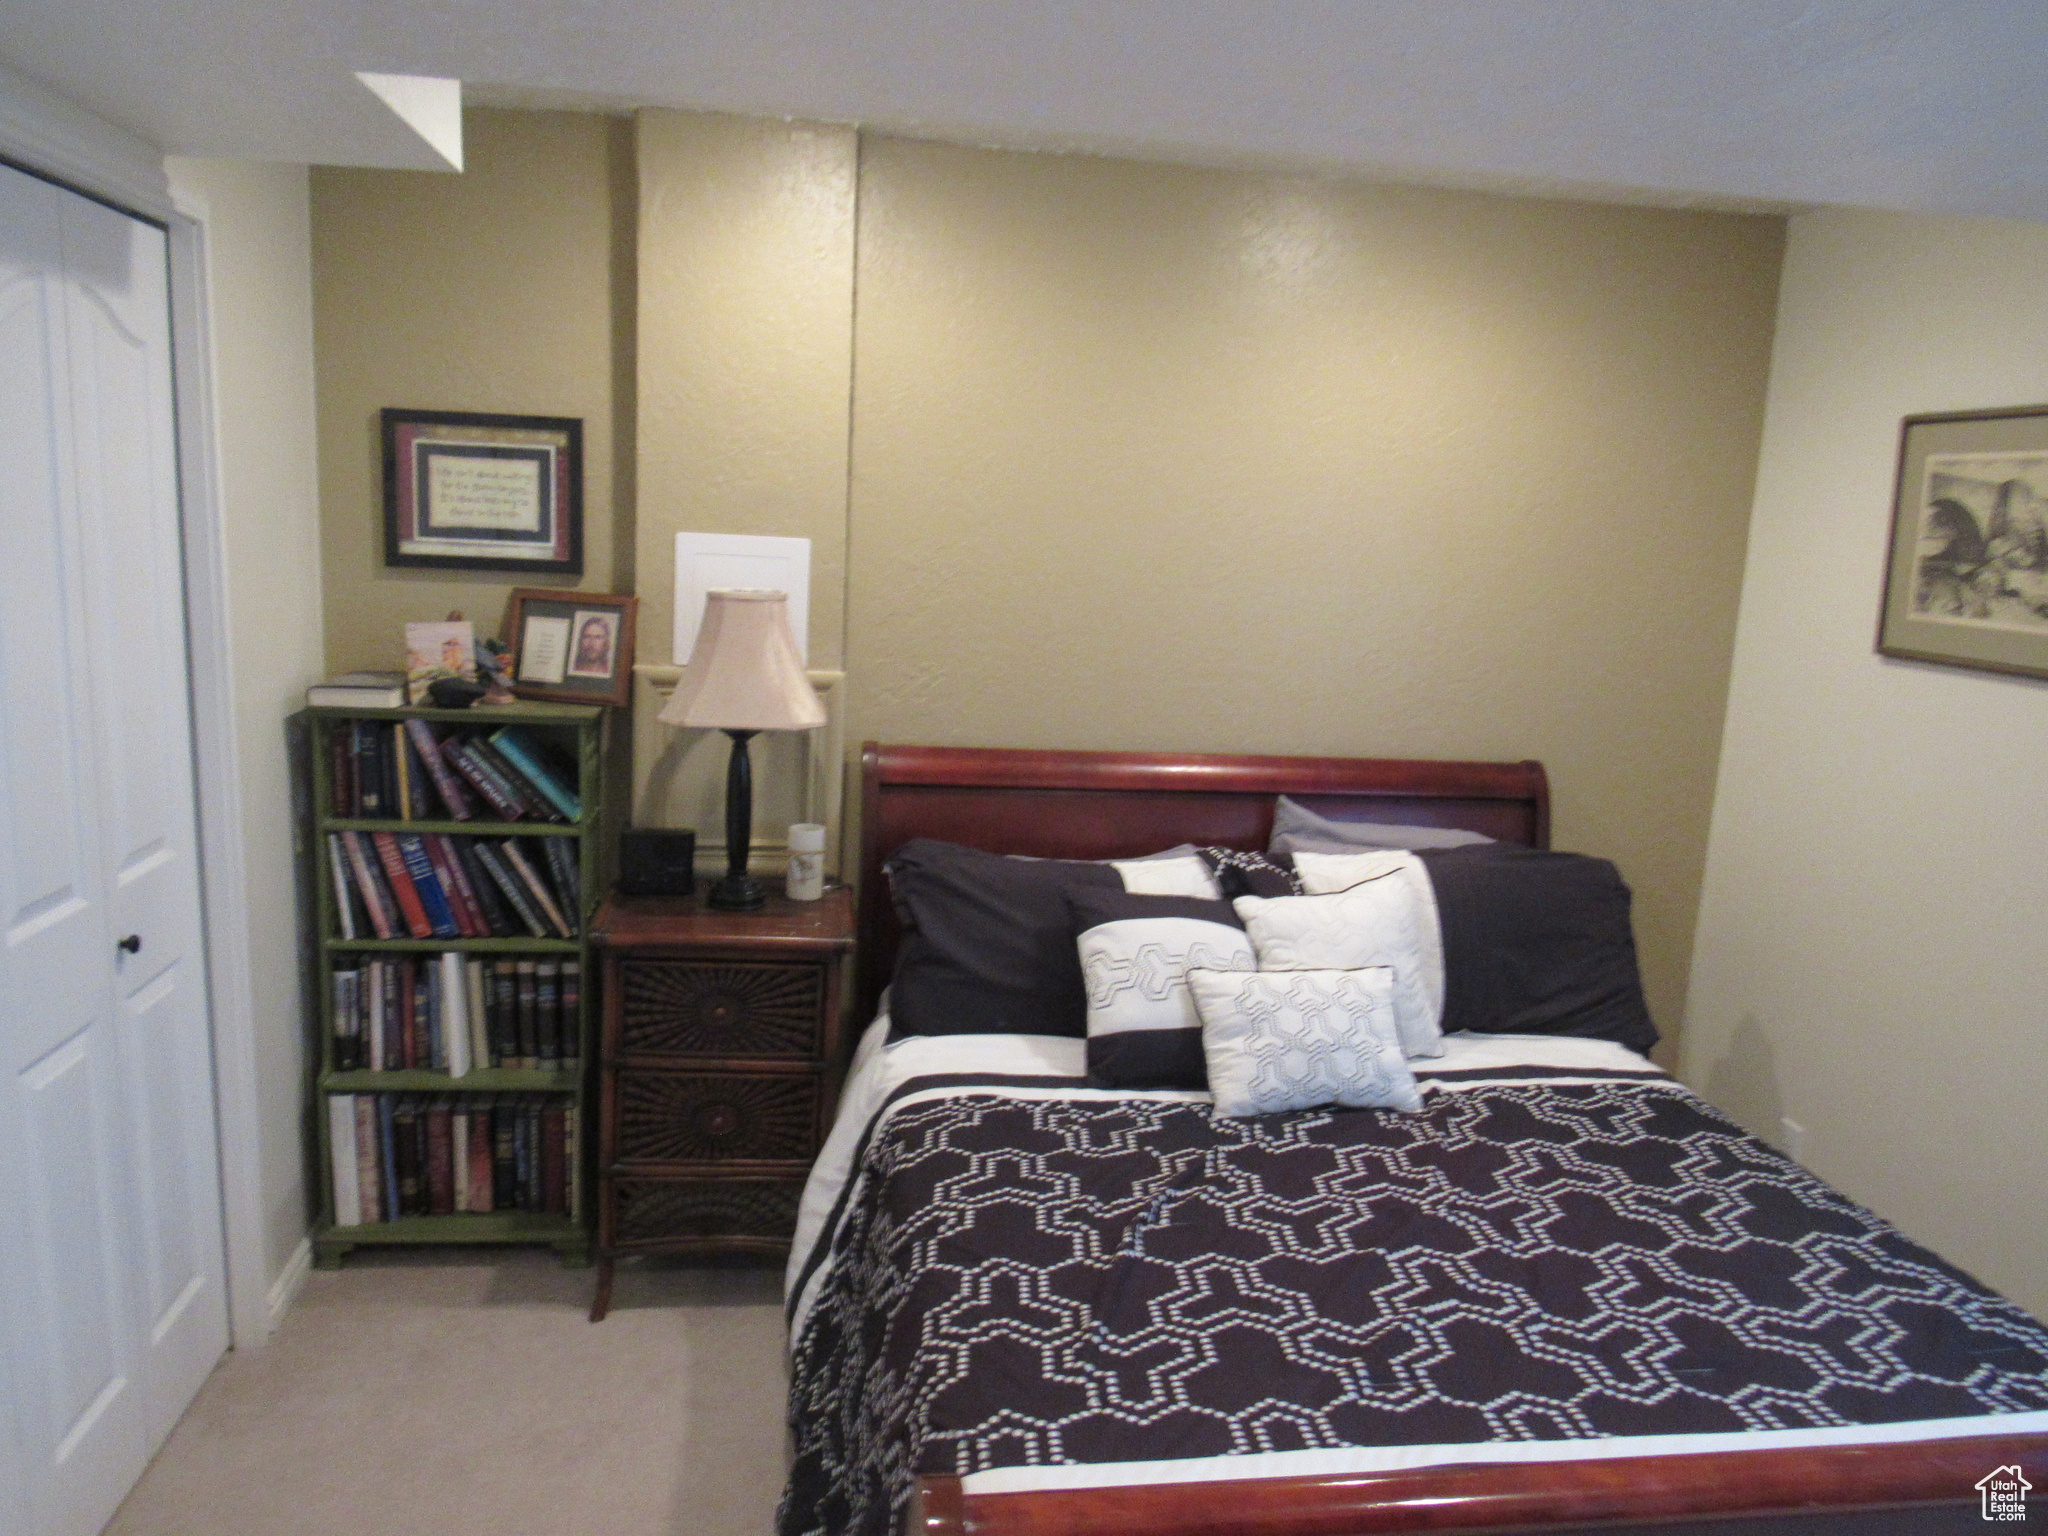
(1565, 1294)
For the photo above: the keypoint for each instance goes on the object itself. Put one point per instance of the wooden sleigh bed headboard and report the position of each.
(1116, 805)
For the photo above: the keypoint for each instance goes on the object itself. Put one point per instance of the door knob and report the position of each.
(132, 944)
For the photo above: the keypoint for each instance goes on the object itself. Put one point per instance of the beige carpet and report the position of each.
(438, 1393)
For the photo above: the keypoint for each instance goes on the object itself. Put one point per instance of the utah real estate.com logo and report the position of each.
(2005, 1493)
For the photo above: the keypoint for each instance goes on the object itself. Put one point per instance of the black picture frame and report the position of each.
(1966, 582)
(469, 491)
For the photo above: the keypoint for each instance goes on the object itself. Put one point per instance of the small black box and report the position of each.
(657, 862)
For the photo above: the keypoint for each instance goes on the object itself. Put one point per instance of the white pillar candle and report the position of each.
(806, 861)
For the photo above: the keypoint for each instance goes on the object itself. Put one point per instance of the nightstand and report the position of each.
(718, 1068)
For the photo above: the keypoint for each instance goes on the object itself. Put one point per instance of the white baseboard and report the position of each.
(285, 1289)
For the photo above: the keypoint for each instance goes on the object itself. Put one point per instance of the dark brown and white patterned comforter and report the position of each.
(1002, 1268)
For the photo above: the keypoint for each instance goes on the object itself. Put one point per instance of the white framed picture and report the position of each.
(708, 562)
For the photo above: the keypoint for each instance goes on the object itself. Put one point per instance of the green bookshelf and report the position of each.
(577, 734)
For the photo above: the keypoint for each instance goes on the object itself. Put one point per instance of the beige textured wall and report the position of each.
(1151, 457)
(487, 291)
(1870, 962)
(745, 346)
(1097, 453)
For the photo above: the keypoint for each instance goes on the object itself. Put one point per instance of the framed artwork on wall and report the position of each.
(470, 492)
(1967, 581)
(571, 647)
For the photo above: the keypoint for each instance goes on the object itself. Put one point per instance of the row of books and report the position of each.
(412, 1154)
(451, 1012)
(433, 885)
(406, 770)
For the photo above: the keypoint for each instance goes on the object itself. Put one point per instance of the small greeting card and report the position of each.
(434, 651)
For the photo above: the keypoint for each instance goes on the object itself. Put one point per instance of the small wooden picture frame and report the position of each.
(471, 492)
(571, 647)
(1967, 583)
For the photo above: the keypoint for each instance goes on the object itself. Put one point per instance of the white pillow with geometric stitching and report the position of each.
(1280, 1040)
(1326, 874)
(1135, 951)
(1378, 922)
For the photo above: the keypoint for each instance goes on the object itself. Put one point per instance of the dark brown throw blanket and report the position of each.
(1060, 1280)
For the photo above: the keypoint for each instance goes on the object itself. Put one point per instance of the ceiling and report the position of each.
(1930, 107)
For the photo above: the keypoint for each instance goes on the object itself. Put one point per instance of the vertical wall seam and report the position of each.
(860, 140)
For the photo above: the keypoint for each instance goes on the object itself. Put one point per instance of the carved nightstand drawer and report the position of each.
(741, 1214)
(721, 1008)
(720, 1055)
(689, 1117)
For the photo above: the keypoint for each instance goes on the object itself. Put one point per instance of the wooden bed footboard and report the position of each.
(1914, 1486)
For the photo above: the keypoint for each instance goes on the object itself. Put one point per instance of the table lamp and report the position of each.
(744, 675)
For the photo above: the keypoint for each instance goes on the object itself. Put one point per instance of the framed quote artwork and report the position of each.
(470, 492)
(1967, 581)
(571, 647)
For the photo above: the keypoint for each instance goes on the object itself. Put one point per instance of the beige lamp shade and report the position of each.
(744, 673)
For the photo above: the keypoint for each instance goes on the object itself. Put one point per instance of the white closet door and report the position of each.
(110, 1259)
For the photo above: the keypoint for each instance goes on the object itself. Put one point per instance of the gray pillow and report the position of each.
(1297, 829)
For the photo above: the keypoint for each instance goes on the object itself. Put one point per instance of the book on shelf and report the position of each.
(469, 921)
(538, 806)
(455, 797)
(547, 1018)
(412, 1154)
(561, 861)
(526, 752)
(437, 885)
(419, 868)
(476, 1000)
(453, 999)
(460, 754)
(526, 1031)
(452, 1012)
(571, 1001)
(341, 1132)
(363, 863)
(544, 899)
(403, 804)
(369, 768)
(511, 888)
(338, 872)
(359, 690)
(392, 860)
(411, 771)
(348, 1021)
(499, 919)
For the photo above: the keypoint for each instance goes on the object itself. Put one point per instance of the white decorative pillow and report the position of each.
(1374, 923)
(1279, 1040)
(1325, 874)
(1135, 952)
(1168, 875)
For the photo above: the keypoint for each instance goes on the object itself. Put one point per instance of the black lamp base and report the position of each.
(737, 893)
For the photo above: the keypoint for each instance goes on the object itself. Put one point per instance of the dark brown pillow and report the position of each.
(1537, 943)
(988, 944)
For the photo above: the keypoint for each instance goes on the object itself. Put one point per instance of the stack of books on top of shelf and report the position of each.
(436, 885)
(406, 770)
(396, 1013)
(414, 1154)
